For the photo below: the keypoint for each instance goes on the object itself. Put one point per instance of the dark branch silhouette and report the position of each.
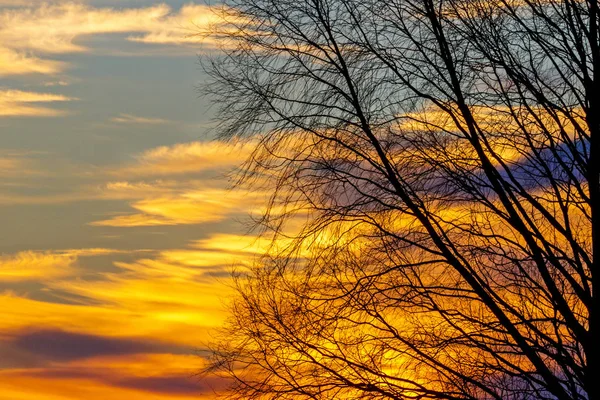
(435, 170)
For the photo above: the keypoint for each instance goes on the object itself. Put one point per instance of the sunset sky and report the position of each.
(118, 225)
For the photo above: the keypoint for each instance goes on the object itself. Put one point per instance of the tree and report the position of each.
(435, 213)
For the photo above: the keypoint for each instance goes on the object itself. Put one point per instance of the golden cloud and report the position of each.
(13, 3)
(164, 298)
(187, 158)
(31, 265)
(15, 103)
(151, 298)
(176, 202)
(509, 145)
(205, 163)
(13, 62)
(53, 28)
(18, 164)
(45, 265)
(181, 28)
(167, 299)
(60, 384)
(193, 207)
(124, 190)
(230, 243)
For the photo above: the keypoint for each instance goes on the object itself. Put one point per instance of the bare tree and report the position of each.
(435, 215)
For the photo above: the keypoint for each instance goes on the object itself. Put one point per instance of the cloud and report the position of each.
(15, 164)
(128, 221)
(45, 265)
(185, 27)
(188, 158)
(55, 28)
(13, 3)
(131, 376)
(176, 174)
(132, 332)
(133, 119)
(193, 207)
(136, 190)
(58, 345)
(149, 299)
(13, 62)
(117, 190)
(180, 201)
(233, 244)
(56, 83)
(91, 252)
(31, 265)
(174, 384)
(14, 103)
(154, 298)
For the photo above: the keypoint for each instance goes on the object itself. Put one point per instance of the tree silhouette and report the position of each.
(435, 214)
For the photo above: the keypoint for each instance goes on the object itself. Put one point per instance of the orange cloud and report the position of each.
(106, 383)
(156, 298)
(132, 317)
(167, 299)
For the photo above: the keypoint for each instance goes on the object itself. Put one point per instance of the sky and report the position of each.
(119, 225)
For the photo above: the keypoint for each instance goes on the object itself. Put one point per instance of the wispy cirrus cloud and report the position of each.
(21, 62)
(32, 34)
(13, 3)
(188, 207)
(19, 164)
(179, 177)
(185, 27)
(152, 297)
(135, 119)
(18, 103)
(179, 201)
(33, 265)
(185, 158)
(132, 331)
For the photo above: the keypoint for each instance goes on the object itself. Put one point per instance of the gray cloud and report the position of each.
(54, 345)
